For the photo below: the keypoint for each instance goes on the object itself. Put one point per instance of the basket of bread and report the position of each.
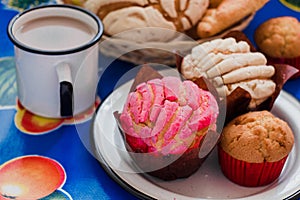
(141, 31)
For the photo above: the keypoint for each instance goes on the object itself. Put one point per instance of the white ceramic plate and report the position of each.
(208, 182)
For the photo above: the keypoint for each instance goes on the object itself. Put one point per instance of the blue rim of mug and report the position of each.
(17, 43)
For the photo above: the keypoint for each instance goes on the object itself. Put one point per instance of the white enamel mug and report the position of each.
(56, 55)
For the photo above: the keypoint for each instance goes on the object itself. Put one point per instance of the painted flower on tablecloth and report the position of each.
(32, 124)
(32, 177)
(292, 4)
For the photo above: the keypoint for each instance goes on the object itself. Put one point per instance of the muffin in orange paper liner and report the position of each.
(253, 148)
(164, 122)
(279, 39)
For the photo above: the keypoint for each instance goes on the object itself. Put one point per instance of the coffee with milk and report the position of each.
(55, 33)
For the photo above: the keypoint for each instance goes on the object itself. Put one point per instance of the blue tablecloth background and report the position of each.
(86, 179)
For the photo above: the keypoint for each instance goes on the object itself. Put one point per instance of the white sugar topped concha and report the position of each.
(229, 64)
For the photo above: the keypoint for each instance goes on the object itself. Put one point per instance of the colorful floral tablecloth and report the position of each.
(51, 150)
(48, 150)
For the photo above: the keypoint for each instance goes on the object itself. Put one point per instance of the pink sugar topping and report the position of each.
(167, 115)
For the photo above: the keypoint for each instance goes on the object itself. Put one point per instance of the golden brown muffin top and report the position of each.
(279, 37)
(257, 137)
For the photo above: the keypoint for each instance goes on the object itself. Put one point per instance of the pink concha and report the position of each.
(166, 115)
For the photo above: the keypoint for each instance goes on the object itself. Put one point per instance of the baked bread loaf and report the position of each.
(181, 16)
(279, 37)
(256, 145)
(229, 64)
(226, 14)
(123, 15)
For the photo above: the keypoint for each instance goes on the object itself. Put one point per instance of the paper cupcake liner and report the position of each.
(166, 167)
(295, 62)
(173, 165)
(249, 174)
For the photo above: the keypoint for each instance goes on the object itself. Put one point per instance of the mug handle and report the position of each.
(66, 89)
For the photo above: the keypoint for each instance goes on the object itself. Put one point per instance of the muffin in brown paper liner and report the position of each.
(238, 100)
(173, 165)
(288, 61)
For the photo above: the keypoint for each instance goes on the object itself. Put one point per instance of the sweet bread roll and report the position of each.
(279, 37)
(123, 15)
(229, 64)
(225, 15)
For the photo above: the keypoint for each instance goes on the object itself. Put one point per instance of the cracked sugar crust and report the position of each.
(229, 64)
(167, 115)
(123, 15)
(279, 37)
(256, 137)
